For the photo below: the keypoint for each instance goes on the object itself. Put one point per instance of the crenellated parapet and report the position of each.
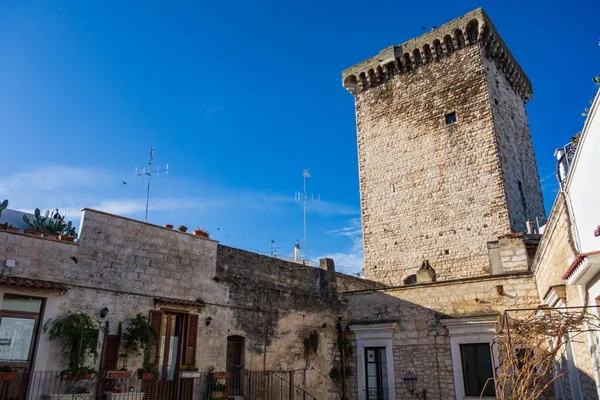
(470, 29)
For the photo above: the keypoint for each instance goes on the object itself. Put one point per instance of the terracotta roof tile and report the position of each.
(178, 302)
(32, 283)
(576, 263)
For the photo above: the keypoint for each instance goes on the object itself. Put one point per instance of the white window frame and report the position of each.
(470, 331)
(374, 335)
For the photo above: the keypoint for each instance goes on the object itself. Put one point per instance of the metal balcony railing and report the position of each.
(176, 385)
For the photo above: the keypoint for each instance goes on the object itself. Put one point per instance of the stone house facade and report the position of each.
(219, 296)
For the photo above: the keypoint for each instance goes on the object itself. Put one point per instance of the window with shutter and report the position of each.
(192, 339)
(156, 322)
(110, 356)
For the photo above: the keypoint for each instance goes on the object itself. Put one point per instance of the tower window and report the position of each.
(450, 118)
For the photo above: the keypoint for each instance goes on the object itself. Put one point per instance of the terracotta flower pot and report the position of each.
(32, 232)
(13, 229)
(66, 238)
(69, 376)
(169, 226)
(183, 229)
(148, 375)
(118, 374)
(8, 376)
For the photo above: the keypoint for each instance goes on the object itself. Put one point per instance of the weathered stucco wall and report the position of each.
(420, 343)
(283, 303)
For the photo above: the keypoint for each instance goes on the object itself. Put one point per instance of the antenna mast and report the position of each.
(273, 248)
(304, 198)
(149, 173)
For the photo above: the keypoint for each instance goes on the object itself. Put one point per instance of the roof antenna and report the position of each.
(303, 197)
(149, 173)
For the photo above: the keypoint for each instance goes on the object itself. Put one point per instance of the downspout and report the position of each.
(584, 297)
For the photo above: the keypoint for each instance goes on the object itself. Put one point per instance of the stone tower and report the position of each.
(445, 157)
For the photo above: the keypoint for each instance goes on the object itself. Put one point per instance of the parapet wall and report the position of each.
(469, 29)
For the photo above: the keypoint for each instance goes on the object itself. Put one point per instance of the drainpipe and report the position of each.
(583, 295)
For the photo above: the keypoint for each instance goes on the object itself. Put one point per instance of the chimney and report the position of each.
(297, 252)
(531, 227)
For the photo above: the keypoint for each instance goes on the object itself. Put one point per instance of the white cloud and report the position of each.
(208, 111)
(330, 208)
(54, 177)
(352, 261)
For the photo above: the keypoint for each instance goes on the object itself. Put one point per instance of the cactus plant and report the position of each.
(3, 206)
(69, 233)
(49, 225)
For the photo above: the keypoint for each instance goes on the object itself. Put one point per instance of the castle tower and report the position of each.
(446, 162)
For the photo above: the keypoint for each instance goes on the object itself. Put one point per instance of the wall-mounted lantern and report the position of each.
(411, 385)
(104, 312)
(208, 321)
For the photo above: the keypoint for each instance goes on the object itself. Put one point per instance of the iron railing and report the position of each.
(173, 385)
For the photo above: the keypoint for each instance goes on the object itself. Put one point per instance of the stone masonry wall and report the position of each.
(522, 188)
(278, 304)
(124, 264)
(429, 191)
(554, 251)
(420, 343)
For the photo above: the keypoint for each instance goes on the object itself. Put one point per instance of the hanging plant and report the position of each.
(79, 332)
(138, 338)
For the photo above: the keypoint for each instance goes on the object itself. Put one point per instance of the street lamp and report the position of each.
(411, 385)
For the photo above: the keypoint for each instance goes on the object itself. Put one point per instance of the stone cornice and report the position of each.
(470, 29)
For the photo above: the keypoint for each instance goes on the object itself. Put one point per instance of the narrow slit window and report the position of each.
(450, 118)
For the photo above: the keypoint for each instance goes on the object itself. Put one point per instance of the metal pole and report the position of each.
(149, 175)
(304, 195)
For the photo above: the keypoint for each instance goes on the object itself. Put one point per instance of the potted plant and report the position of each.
(138, 338)
(201, 232)
(183, 228)
(169, 226)
(7, 374)
(8, 227)
(68, 233)
(79, 334)
(216, 383)
(189, 371)
(44, 225)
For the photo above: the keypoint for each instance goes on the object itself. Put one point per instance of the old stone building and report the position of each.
(449, 192)
(446, 161)
(449, 189)
(235, 311)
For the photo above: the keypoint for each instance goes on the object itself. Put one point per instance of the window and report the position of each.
(450, 118)
(477, 369)
(19, 322)
(377, 379)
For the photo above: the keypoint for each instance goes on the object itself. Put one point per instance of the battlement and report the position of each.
(472, 28)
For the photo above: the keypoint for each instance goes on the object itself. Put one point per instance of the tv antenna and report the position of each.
(273, 248)
(303, 197)
(149, 172)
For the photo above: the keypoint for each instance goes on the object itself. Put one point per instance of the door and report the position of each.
(235, 363)
(171, 353)
(376, 379)
(19, 326)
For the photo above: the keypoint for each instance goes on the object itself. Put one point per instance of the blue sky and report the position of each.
(238, 98)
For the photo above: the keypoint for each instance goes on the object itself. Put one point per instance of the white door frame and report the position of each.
(374, 335)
